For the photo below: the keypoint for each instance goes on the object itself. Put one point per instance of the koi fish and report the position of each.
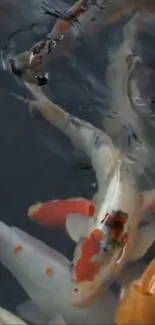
(78, 225)
(54, 213)
(137, 305)
(117, 193)
(110, 239)
(29, 64)
(37, 55)
(70, 16)
(47, 281)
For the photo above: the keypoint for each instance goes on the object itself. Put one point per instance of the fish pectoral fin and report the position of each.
(57, 320)
(76, 225)
(144, 240)
(31, 313)
(148, 201)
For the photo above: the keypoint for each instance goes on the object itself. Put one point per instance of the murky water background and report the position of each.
(37, 163)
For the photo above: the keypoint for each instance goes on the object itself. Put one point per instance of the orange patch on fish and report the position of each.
(55, 213)
(86, 269)
(49, 271)
(18, 249)
(98, 235)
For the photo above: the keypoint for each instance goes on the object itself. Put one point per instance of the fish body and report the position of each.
(95, 264)
(42, 49)
(44, 275)
(107, 246)
(93, 267)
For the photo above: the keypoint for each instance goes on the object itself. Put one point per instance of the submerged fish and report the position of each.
(137, 305)
(55, 213)
(30, 64)
(91, 16)
(65, 20)
(109, 241)
(105, 244)
(44, 275)
(71, 16)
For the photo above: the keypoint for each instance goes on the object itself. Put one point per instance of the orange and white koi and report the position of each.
(118, 192)
(120, 201)
(118, 241)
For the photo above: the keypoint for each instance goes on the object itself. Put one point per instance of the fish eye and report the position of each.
(76, 289)
(42, 80)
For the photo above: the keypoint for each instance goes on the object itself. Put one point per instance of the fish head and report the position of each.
(84, 293)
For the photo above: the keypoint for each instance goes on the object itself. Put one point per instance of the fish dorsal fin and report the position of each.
(77, 225)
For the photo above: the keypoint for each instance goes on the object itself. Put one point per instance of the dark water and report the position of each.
(31, 169)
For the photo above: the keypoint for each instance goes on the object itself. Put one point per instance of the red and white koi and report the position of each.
(111, 236)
